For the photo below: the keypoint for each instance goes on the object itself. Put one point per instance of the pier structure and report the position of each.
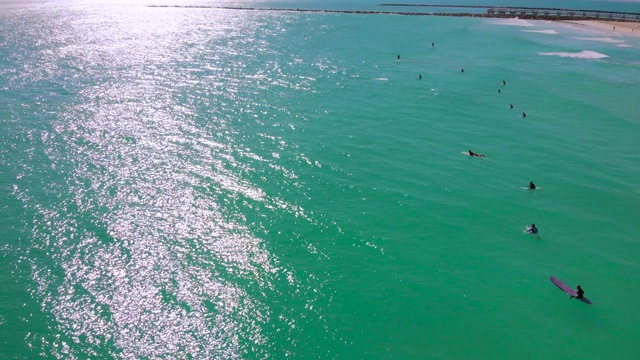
(490, 12)
(557, 14)
(541, 13)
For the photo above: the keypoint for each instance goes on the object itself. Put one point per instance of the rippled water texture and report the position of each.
(154, 137)
(199, 183)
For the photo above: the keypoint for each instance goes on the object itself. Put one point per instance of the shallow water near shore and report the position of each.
(244, 185)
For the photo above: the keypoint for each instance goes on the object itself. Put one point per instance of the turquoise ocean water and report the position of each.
(212, 184)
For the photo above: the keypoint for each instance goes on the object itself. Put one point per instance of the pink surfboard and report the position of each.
(564, 287)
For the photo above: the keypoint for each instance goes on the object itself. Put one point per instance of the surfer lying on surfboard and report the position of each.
(471, 153)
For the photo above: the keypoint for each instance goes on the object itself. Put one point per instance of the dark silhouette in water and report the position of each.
(524, 115)
(532, 186)
(433, 44)
(504, 82)
(499, 91)
(461, 70)
(398, 57)
(420, 76)
(533, 229)
(510, 106)
(471, 153)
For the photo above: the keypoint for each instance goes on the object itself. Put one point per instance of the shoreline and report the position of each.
(612, 27)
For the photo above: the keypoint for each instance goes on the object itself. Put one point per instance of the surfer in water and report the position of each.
(533, 229)
(504, 83)
(532, 186)
(398, 57)
(471, 153)
(524, 115)
(420, 77)
(510, 106)
(580, 292)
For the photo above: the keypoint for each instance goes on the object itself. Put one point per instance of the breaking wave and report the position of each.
(585, 54)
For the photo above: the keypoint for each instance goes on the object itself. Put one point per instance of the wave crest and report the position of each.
(602, 39)
(513, 22)
(585, 54)
(550, 32)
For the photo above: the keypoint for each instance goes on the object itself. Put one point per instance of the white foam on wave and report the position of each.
(550, 32)
(512, 22)
(382, 79)
(623, 45)
(601, 39)
(585, 54)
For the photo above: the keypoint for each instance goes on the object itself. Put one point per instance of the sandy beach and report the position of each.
(613, 27)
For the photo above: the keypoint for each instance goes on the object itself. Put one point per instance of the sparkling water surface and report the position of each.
(216, 184)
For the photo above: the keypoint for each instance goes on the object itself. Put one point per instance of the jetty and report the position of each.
(541, 13)
(489, 12)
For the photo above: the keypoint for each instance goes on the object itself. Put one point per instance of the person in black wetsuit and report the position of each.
(471, 153)
(580, 292)
(532, 186)
(533, 229)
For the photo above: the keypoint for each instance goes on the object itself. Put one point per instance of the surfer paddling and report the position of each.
(471, 153)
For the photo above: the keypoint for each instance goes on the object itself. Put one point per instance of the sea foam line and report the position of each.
(550, 32)
(512, 22)
(601, 39)
(585, 54)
